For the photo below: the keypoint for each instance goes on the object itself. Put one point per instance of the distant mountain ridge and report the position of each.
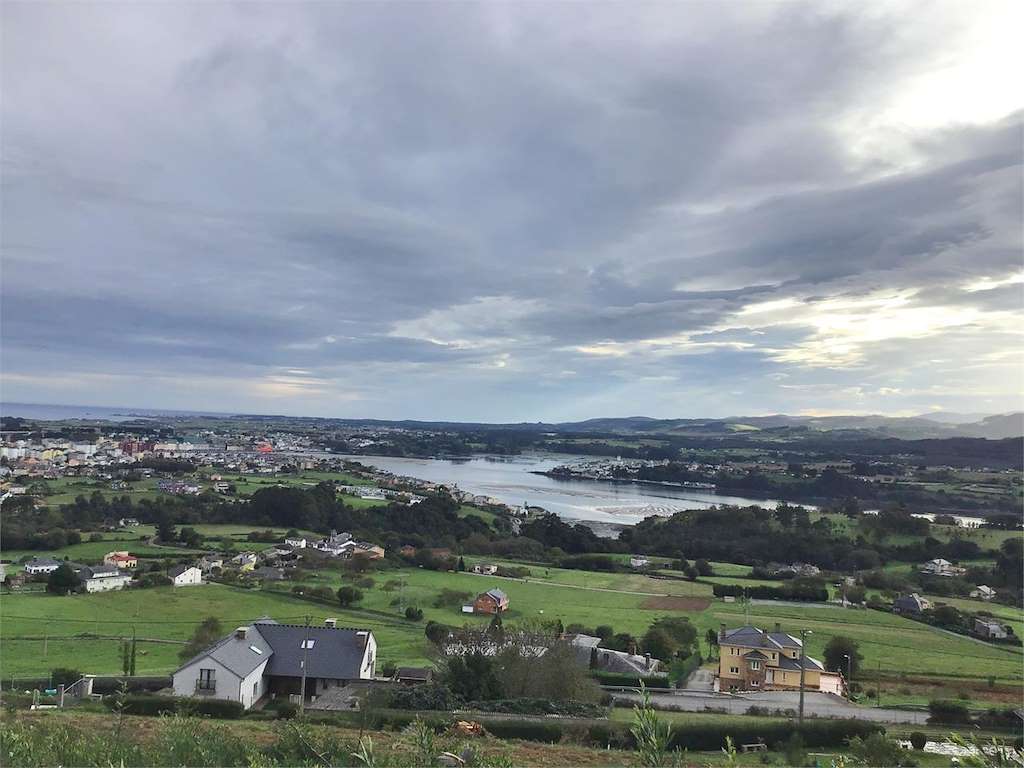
(910, 427)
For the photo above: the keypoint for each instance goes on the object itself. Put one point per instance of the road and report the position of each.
(815, 704)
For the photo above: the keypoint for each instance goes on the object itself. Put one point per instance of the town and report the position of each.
(259, 570)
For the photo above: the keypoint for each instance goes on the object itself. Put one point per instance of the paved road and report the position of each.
(815, 704)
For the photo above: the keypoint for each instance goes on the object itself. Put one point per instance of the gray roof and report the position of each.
(909, 603)
(178, 570)
(37, 561)
(752, 637)
(497, 594)
(336, 653)
(794, 664)
(92, 571)
(237, 654)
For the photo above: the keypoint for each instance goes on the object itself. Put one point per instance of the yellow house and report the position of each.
(752, 659)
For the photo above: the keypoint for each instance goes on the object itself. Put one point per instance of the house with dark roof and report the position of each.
(269, 659)
(910, 604)
(753, 659)
(589, 653)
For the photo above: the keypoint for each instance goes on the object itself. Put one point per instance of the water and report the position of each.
(47, 412)
(508, 479)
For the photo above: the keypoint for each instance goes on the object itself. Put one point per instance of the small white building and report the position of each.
(185, 575)
(983, 592)
(638, 561)
(487, 569)
(39, 565)
(299, 543)
(103, 578)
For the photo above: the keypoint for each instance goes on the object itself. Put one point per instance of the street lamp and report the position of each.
(849, 668)
(803, 663)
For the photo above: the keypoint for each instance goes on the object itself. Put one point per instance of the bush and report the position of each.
(282, 708)
(549, 733)
(948, 712)
(814, 733)
(918, 740)
(629, 681)
(159, 705)
(64, 676)
(412, 613)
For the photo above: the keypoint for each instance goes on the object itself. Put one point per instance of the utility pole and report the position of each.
(305, 658)
(803, 662)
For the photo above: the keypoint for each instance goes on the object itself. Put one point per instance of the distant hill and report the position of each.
(907, 428)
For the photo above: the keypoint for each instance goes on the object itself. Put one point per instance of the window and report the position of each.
(207, 680)
(307, 644)
(734, 670)
(755, 664)
(254, 649)
(256, 690)
(755, 683)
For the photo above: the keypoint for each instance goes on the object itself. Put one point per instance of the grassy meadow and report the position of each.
(891, 645)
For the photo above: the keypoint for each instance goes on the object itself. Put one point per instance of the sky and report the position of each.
(513, 211)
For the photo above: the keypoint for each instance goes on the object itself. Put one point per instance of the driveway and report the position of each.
(815, 704)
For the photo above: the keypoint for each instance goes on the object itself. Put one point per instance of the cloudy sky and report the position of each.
(513, 211)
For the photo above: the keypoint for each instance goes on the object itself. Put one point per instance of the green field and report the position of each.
(629, 602)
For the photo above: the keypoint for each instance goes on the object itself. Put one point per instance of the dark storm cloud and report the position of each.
(443, 210)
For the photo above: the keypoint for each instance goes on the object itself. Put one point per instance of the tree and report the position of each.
(349, 596)
(712, 639)
(412, 613)
(62, 580)
(682, 632)
(836, 652)
(461, 565)
(659, 644)
(604, 631)
(704, 567)
(164, 528)
(190, 537)
(436, 632)
(206, 634)
(472, 677)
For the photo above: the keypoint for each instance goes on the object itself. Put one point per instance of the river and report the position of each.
(509, 479)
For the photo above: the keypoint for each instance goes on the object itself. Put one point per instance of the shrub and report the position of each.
(527, 730)
(948, 712)
(629, 681)
(282, 708)
(815, 733)
(64, 676)
(412, 613)
(918, 740)
(158, 705)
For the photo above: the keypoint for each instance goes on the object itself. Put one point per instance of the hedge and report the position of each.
(526, 706)
(815, 733)
(795, 591)
(527, 730)
(158, 705)
(948, 712)
(630, 681)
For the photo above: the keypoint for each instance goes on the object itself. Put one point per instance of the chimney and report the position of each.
(241, 633)
(778, 628)
(721, 631)
(331, 622)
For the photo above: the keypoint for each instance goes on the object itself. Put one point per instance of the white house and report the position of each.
(103, 578)
(983, 592)
(299, 543)
(268, 659)
(487, 569)
(185, 575)
(941, 567)
(639, 561)
(990, 629)
(41, 565)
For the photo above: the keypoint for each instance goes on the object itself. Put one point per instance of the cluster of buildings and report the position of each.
(117, 572)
